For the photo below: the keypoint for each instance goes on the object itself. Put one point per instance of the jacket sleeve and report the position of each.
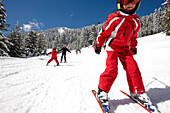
(60, 50)
(48, 53)
(133, 41)
(105, 32)
(135, 33)
(68, 50)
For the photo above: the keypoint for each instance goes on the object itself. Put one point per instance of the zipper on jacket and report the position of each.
(133, 30)
(124, 31)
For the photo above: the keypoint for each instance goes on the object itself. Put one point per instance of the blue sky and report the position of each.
(47, 14)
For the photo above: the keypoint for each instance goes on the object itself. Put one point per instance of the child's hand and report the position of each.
(47, 53)
(97, 49)
(133, 51)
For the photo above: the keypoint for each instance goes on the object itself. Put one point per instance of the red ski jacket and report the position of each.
(119, 32)
(54, 54)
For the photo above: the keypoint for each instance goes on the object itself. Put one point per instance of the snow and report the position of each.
(29, 86)
(61, 30)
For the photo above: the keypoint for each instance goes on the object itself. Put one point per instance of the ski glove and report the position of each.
(133, 51)
(97, 49)
(47, 53)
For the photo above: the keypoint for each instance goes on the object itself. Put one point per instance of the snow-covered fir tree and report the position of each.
(166, 17)
(92, 35)
(3, 27)
(30, 43)
(62, 40)
(3, 46)
(84, 38)
(16, 48)
(156, 21)
(160, 15)
(56, 43)
(75, 40)
(41, 45)
(3, 23)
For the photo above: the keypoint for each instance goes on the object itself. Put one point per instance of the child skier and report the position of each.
(120, 37)
(54, 57)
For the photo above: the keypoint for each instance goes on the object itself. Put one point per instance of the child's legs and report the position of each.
(50, 60)
(56, 60)
(134, 77)
(109, 75)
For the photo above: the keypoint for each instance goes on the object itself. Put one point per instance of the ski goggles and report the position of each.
(125, 2)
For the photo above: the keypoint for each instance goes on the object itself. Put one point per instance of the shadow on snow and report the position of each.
(157, 95)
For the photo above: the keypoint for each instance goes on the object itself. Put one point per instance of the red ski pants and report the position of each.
(53, 59)
(130, 66)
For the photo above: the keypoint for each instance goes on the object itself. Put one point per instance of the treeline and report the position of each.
(25, 45)
(73, 38)
(151, 24)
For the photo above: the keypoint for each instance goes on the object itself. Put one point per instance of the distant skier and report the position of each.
(64, 50)
(78, 51)
(120, 36)
(54, 57)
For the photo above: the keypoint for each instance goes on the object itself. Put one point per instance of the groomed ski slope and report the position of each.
(28, 86)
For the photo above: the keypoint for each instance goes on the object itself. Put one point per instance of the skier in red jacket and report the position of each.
(120, 37)
(54, 57)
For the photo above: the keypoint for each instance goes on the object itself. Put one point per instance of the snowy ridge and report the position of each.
(28, 86)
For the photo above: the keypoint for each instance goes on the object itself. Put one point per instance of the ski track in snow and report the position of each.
(27, 85)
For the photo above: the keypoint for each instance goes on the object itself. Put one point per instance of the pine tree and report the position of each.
(166, 17)
(3, 23)
(156, 22)
(76, 40)
(17, 42)
(41, 45)
(3, 46)
(84, 38)
(160, 14)
(62, 39)
(30, 43)
(92, 35)
(3, 27)
(56, 43)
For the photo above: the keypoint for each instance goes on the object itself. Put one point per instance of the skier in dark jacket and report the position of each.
(64, 50)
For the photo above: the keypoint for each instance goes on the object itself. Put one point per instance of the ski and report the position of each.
(150, 111)
(104, 110)
(63, 65)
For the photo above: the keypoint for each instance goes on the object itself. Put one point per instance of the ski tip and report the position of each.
(122, 91)
(93, 91)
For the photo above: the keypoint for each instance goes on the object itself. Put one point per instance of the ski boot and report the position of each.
(57, 65)
(103, 99)
(145, 101)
